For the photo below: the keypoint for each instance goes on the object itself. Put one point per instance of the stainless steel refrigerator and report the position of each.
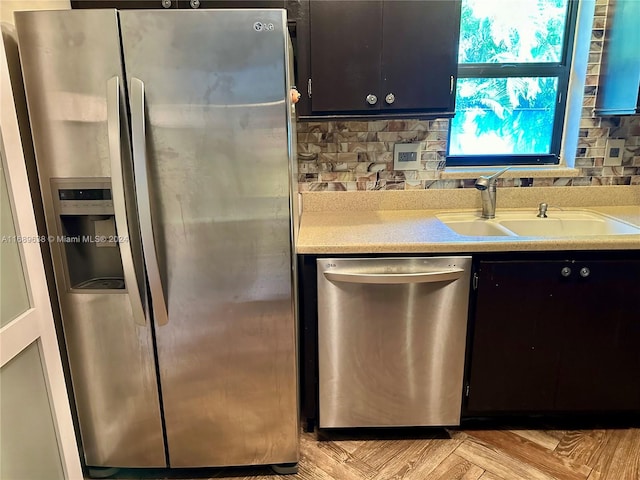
(164, 150)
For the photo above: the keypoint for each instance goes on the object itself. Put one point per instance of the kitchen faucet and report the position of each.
(487, 187)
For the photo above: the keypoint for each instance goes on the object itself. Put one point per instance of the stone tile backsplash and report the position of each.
(358, 155)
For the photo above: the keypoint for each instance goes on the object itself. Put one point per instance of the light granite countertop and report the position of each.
(405, 221)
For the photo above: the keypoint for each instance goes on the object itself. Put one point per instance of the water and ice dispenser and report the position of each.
(87, 233)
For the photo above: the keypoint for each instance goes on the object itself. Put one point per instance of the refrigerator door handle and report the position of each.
(138, 140)
(117, 191)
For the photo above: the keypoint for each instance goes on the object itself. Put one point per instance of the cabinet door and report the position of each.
(517, 335)
(419, 55)
(345, 50)
(545, 342)
(600, 366)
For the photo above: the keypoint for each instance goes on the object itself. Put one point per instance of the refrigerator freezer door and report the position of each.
(215, 87)
(68, 58)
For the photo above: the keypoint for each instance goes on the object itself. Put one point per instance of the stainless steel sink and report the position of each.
(561, 223)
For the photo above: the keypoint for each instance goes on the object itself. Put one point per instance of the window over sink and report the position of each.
(513, 71)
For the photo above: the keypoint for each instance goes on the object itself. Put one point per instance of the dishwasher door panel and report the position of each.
(391, 340)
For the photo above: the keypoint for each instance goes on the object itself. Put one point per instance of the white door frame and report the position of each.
(36, 324)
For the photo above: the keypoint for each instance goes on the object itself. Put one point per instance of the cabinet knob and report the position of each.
(565, 272)
(372, 99)
(390, 98)
(166, 3)
(194, 3)
(585, 272)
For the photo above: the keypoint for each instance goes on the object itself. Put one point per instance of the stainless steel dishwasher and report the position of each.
(391, 340)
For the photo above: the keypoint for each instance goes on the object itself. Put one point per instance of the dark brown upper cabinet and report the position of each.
(292, 6)
(379, 59)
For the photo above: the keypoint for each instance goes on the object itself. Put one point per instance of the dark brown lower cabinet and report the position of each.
(555, 336)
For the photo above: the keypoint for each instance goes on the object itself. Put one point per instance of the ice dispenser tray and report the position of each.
(87, 230)
(102, 284)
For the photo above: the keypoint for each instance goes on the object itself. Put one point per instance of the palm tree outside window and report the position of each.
(513, 71)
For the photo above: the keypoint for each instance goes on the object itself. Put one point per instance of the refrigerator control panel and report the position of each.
(82, 197)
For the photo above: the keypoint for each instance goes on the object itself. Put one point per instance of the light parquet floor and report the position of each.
(434, 454)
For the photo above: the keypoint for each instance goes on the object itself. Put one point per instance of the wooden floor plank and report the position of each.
(624, 462)
(490, 476)
(456, 468)
(338, 463)
(497, 462)
(593, 448)
(379, 454)
(540, 437)
(420, 467)
(349, 441)
(531, 453)
(557, 434)
(595, 475)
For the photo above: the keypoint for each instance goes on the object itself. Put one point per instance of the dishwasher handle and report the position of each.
(395, 278)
